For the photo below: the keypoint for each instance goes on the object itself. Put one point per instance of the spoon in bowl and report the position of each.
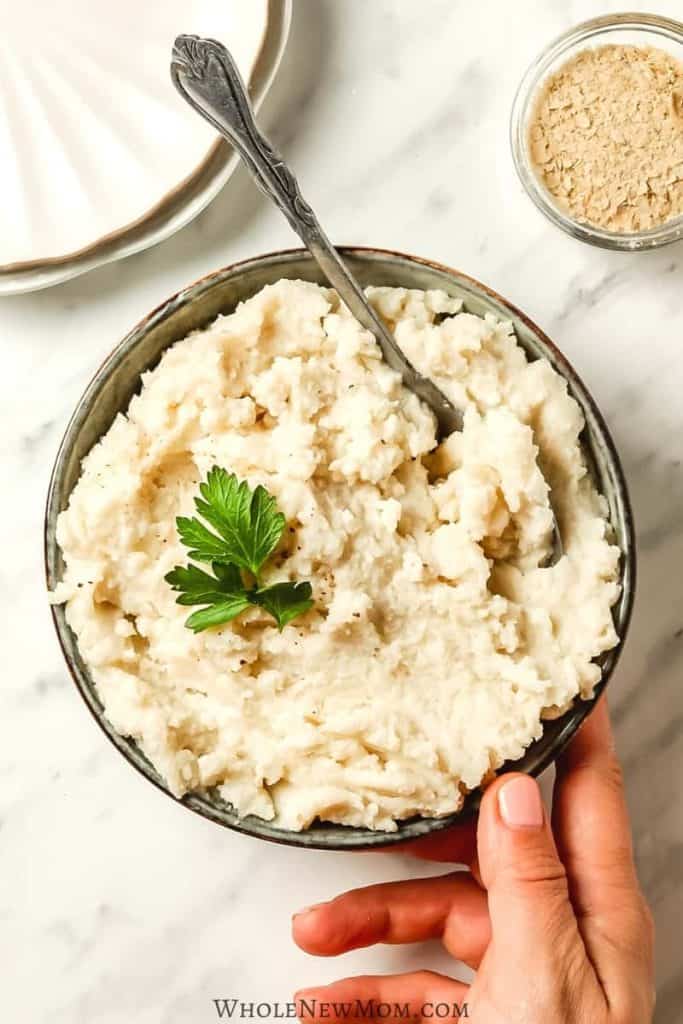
(207, 77)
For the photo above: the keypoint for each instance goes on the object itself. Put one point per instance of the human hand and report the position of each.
(551, 918)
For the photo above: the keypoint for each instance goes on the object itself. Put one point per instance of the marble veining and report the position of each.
(116, 904)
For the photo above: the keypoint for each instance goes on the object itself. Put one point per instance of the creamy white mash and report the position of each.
(437, 644)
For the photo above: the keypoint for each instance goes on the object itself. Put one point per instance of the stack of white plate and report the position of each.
(99, 156)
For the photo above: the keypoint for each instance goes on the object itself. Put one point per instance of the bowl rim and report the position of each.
(574, 716)
(585, 32)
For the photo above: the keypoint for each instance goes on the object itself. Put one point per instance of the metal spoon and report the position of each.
(207, 77)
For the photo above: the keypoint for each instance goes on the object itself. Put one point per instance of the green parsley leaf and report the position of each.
(225, 593)
(215, 615)
(285, 601)
(248, 526)
(248, 523)
(198, 587)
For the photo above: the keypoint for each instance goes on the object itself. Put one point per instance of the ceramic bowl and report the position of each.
(197, 305)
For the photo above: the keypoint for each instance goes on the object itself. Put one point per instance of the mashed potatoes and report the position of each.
(436, 645)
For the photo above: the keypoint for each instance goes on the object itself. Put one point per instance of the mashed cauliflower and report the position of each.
(436, 645)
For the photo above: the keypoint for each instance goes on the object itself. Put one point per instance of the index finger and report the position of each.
(456, 845)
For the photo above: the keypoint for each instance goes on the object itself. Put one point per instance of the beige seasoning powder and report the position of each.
(606, 137)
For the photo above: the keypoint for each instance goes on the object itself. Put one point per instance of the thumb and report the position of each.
(527, 888)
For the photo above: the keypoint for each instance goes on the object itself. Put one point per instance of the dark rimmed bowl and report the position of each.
(118, 379)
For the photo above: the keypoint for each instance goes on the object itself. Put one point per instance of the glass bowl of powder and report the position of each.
(597, 131)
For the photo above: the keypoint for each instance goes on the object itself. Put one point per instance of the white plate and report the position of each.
(99, 156)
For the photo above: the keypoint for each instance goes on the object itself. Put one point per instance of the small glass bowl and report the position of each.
(634, 29)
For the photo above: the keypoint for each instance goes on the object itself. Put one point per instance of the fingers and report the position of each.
(359, 998)
(457, 845)
(531, 915)
(591, 823)
(452, 907)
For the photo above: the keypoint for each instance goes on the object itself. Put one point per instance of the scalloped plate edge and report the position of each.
(178, 207)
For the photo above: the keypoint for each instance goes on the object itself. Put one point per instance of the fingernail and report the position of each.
(307, 910)
(519, 802)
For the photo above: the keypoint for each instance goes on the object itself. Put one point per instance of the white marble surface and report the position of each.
(116, 904)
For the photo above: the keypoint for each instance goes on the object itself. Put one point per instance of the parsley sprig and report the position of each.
(248, 527)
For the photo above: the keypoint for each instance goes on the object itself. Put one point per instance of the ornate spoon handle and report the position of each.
(206, 76)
